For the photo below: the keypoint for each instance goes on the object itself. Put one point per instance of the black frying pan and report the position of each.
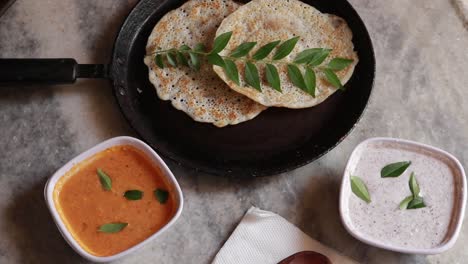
(276, 141)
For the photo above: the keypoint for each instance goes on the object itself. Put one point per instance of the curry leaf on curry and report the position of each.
(133, 194)
(112, 227)
(161, 195)
(105, 180)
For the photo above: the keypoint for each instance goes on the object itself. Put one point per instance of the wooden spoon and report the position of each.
(306, 257)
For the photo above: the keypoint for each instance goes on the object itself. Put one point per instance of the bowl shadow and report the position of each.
(318, 216)
(33, 230)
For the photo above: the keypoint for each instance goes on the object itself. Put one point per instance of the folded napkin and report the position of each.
(263, 237)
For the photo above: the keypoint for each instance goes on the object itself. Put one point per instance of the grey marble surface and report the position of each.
(420, 94)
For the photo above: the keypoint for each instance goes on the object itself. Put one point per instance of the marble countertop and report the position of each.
(420, 94)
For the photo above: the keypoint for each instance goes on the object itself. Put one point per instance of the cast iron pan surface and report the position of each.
(276, 141)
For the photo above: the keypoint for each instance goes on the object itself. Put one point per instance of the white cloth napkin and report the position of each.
(263, 237)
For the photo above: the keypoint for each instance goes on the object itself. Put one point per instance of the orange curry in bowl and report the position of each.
(114, 200)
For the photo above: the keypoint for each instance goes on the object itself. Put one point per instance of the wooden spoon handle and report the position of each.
(306, 257)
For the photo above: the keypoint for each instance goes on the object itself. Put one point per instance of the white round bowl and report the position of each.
(458, 211)
(151, 154)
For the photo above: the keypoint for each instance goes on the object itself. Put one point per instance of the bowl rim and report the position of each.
(116, 141)
(447, 243)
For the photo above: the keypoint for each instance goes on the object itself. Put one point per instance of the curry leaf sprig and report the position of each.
(301, 71)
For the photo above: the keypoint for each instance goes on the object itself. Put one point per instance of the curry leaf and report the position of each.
(310, 81)
(200, 47)
(215, 59)
(332, 78)
(304, 78)
(414, 186)
(105, 180)
(338, 64)
(251, 76)
(394, 169)
(272, 77)
(359, 188)
(158, 60)
(182, 59)
(265, 50)
(171, 58)
(112, 227)
(416, 203)
(161, 195)
(286, 48)
(184, 48)
(318, 57)
(405, 202)
(243, 49)
(133, 194)
(295, 76)
(231, 71)
(194, 61)
(221, 42)
(413, 201)
(307, 55)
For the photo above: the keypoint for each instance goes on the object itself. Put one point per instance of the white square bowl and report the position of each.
(458, 211)
(151, 154)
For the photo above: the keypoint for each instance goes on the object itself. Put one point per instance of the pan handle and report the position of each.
(47, 71)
